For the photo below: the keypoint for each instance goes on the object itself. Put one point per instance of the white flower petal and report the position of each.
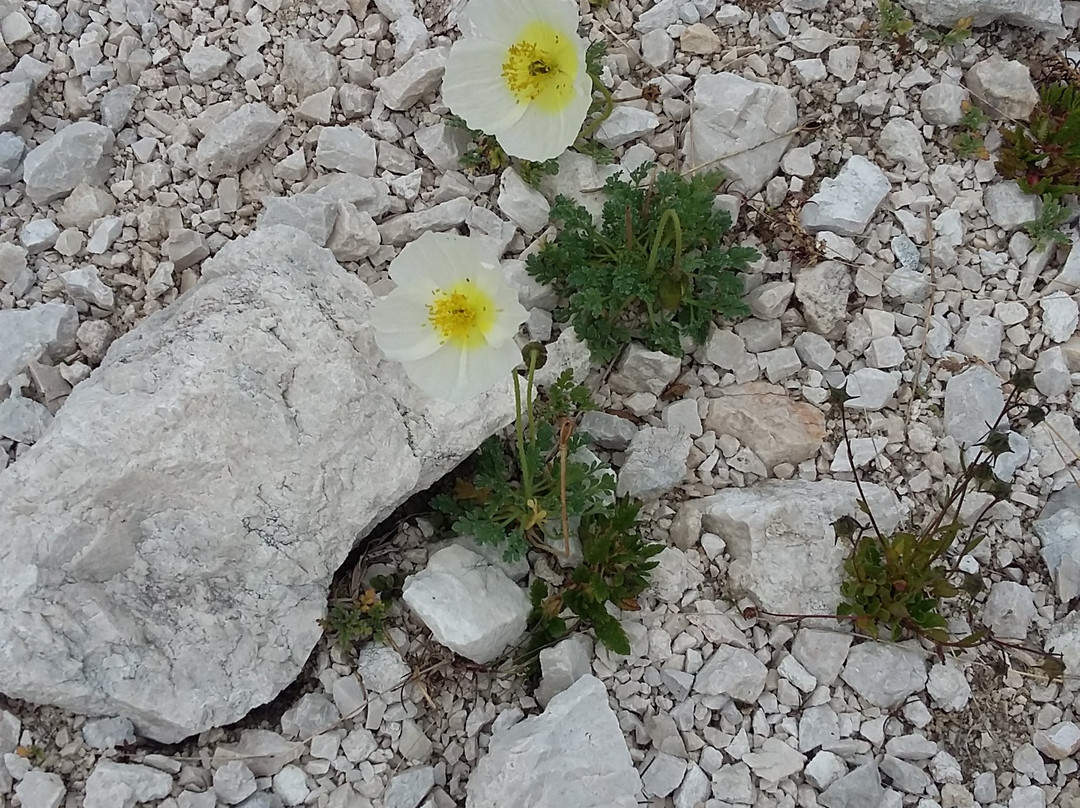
(511, 315)
(473, 86)
(408, 345)
(437, 260)
(504, 20)
(456, 375)
(540, 135)
(404, 309)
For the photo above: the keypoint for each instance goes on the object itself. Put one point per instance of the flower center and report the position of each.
(541, 66)
(462, 314)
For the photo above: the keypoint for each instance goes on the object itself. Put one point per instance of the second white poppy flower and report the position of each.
(452, 319)
(521, 75)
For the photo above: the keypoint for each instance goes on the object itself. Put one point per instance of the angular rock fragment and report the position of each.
(197, 549)
(307, 69)
(236, 140)
(655, 462)
(469, 604)
(123, 785)
(740, 126)
(846, 204)
(310, 213)
(823, 291)
(733, 672)
(15, 98)
(973, 400)
(413, 80)
(1059, 534)
(884, 675)
(12, 148)
(1003, 88)
(857, 789)
(39, 789)
(1042, 15)
(764, 418)
(779, 535)
(29, 334)
(572, 754)
(346, 148)
(81, 152)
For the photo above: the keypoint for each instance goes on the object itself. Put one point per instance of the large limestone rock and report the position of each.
(1042, 15)
(574, 754)
(785, 554)
(165, 550)
(740, 126)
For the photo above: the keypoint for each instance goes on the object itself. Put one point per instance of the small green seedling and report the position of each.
(897, 584)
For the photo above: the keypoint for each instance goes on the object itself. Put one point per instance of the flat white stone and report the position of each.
(576, 743)
(884, 675)
(523, 204)
(123, 785)
(846, 204)
(973, 400)
(1009, 610)
(562, 665)
(470, 605)
(234, 141)
(733, 672)
(948, 687)
(740, 126)
(38, 789)
(1042, 15)
(79, 153)
(784, 554)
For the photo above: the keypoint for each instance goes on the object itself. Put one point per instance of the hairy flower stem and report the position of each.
(519, 426)
(594, 124)
(670, 216)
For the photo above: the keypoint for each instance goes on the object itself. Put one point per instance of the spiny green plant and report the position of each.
(1043, 155)
(1045, 230)
(656, 268)
(614, 569)
(897, 583)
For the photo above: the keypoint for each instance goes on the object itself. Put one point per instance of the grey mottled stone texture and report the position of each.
(166, 548)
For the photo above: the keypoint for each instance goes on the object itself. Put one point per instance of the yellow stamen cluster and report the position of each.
(462, 314)
(540, 68)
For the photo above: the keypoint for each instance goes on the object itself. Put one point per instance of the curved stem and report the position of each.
(529, 398)
(519, 428)
(609, 105)
(671, 216)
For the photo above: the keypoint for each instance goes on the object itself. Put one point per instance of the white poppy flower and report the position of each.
(452, 319)
(521, 75)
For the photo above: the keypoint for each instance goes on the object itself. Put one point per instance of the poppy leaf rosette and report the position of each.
(520, 75)
(452, 318)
